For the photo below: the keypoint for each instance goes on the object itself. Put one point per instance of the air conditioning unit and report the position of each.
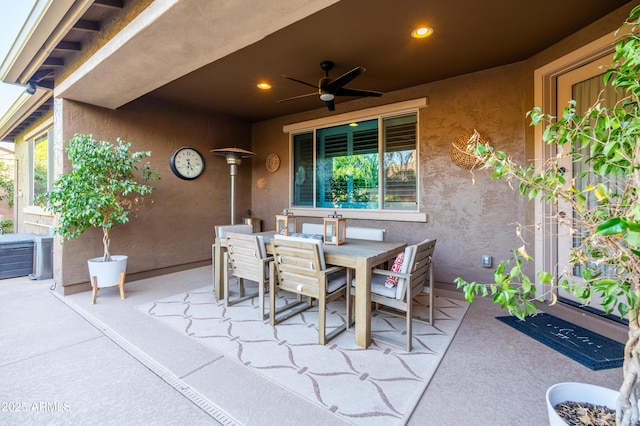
(42, 258)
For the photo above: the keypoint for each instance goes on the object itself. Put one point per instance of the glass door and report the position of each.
(584, 85)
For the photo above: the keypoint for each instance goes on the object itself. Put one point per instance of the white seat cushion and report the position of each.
(303, 235)
(263, 248)
(336, 280)
(240, 229)
(392, 280)
(358, 233)
(378, 287)
(323, 265)
(312, 228)
(263, 255)
(409, 254)
(378, 281)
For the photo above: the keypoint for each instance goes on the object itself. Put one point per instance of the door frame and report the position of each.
(545, 96)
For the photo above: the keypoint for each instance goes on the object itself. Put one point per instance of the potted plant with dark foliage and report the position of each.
(606, 219)
(102, 188)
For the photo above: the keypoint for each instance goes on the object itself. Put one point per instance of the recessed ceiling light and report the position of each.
(422, 32)
(264, 86)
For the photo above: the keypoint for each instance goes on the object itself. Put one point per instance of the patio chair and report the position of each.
(221, 230)
(301, 269)
(312, 228)
(359, 233)
(248, 260)
(406, 279)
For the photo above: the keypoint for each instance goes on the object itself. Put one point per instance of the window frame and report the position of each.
(33, 138)
(320, 151)
(379, 113)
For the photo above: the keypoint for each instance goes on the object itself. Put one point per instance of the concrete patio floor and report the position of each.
(65, 361)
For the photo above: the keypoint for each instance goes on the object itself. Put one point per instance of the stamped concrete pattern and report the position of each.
(379, 385)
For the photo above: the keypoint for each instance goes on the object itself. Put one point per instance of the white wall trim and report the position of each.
(545, 96)
(335, 120)
(41, 128)
(395, 216)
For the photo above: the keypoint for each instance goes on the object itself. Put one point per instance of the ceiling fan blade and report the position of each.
(344, 79)
(330, 105)
(299, 97)
(356, 92)
(301, 82)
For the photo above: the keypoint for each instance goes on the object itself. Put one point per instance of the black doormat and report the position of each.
(590, 349)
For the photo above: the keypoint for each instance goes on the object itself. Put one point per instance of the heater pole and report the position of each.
(234, 158)
(233, 170)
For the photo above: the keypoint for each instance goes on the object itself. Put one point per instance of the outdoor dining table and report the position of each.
(359, 255)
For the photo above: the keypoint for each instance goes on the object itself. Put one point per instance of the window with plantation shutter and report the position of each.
(339, 167)
(303, 169)
(400, 163)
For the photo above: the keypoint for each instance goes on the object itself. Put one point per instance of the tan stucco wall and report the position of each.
(175, 225)
(467, 221)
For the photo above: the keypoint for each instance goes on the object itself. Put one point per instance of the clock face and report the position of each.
(186, 163)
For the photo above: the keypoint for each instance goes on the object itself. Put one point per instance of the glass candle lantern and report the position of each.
(335, 230)
(285, 224)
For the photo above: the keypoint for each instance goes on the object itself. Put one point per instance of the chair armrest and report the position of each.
(332, 269)
(267, 259)
(391, 273)
(272, 271)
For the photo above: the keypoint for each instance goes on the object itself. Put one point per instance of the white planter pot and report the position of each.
(107, 273)
(578, 392)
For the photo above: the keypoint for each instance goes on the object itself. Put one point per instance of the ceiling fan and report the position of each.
(328, 89)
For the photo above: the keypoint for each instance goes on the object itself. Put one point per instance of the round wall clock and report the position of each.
(186, 163)
(272, 163)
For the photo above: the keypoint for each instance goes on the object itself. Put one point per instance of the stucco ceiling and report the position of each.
(469, 35)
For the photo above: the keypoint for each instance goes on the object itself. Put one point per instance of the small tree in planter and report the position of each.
(101, 189)
(606, 218)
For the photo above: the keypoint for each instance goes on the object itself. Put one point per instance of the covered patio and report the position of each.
(110, 363)
(169, 74)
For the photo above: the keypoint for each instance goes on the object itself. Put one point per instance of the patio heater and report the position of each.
(234, 158)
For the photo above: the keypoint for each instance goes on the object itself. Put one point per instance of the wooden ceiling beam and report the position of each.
(68, 45)
(86, 25)
(46, 84)
(113, 4)
(53, 62)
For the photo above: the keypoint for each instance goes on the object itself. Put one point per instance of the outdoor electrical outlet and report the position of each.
(487, 261)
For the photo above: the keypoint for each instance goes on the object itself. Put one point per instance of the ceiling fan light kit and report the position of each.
(328, 89)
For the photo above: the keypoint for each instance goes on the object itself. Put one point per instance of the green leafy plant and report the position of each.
(6, 183)
(7, 226)
(102, 188)
(605, 223)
